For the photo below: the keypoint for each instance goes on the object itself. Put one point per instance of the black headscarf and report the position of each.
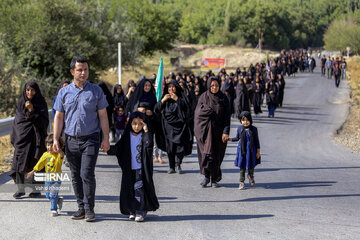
(123, 154)
(243, 133)
(132, 117)
(119, 98)
(200, 85)
(109, 99)
(25, 126)
(61, 86)
(140, 95)
(228, 87)
(181, 94)
(106, 91)
(169, 114)
(179, 89)
(217, 98)
(241, 102)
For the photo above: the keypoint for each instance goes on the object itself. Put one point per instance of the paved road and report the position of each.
(307, 186)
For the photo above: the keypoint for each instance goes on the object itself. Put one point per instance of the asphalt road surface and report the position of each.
(307, 186)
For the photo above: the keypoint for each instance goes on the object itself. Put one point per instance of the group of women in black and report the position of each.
(201, 107)
(191, 106)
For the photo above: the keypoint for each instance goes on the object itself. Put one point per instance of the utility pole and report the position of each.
(261, 34)
(119, 62)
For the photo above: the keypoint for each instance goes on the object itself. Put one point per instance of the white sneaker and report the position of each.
(242, 186)
(139, 218)
(132, 216)
(54, 213)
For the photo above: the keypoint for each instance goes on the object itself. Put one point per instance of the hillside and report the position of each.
(190, 60)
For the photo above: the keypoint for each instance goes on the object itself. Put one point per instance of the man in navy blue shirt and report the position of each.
(81, 106)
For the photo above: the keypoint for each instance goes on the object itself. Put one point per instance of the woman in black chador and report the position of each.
(119, 96)
(229, 90)
(143, 100)
(109, 108)
(144, 92)
(281, 89)
(174, 134)
(212, 126)
(134, 154)
(258, 96)
(242, 101)
(271, 97)
(28, 135)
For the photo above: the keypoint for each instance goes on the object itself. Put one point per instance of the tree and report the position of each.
(343, 33)
(157, 24)
(45, 34)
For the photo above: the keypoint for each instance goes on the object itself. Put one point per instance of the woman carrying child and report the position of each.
(134, 154)
(248, 151)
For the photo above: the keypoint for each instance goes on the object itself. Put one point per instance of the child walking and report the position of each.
(52, 162)
(134, 153)
(248, 151)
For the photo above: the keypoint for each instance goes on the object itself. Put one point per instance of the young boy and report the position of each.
(52, 161)
(134, 153)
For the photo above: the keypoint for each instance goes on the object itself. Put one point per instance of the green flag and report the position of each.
(159, 80)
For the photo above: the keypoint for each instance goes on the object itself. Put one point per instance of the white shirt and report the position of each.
(135, 152)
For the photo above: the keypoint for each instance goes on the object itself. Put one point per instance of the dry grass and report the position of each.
(349, 134)
(5, 151)
(190, 60)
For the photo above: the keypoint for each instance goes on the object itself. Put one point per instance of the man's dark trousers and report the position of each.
(82, 153)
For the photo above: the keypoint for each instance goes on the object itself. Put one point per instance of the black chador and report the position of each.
(173, 132)
(241, 102)
(128, 202)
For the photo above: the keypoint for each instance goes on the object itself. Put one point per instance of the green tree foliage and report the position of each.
(283, 23)
(43, 36)
(344, 32)
(39, 37)
(156, 22)
(11, 81)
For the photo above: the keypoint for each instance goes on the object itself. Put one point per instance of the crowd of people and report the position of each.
(88, 116)
(335, 68)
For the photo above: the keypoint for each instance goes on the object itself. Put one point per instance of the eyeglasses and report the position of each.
(214, 85)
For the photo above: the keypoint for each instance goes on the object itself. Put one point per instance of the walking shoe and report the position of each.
(18, 195)
(89, 216)
(171, 170)
(139, 218)
(214, 184)
(80, 214)
(60, 203)
(54, 213)
(34, 194)
(178, 169)
(251, 180)
(204, 182)
(132, 216)
(156, 160)
(242, 186)
(161, 160)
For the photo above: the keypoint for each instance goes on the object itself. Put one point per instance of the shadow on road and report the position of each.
(175, 218)
(282, 185)
(108, 166)
(297, 197)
